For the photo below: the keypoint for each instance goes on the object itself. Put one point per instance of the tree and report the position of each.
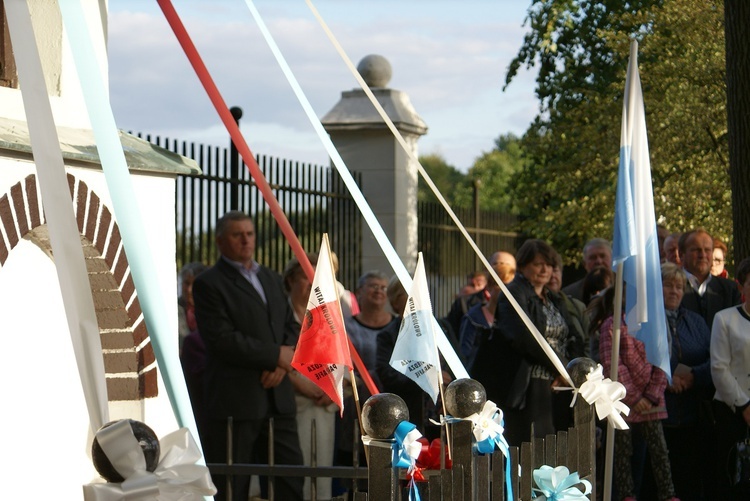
(737, 19)
(581, 46)
(450, 181)
(494, 170)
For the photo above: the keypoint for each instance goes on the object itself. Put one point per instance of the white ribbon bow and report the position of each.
(606, 395)
(176, 478)
(488, 429)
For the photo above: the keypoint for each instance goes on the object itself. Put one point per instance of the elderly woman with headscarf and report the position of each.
(514, 369)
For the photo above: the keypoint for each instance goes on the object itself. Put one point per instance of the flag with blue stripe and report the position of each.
(635, 241)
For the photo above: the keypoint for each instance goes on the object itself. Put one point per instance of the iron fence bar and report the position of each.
(287, 470)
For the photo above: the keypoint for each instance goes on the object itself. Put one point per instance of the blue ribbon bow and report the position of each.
(488, 432)
(406, 451)
(488, 429)
(558, 484)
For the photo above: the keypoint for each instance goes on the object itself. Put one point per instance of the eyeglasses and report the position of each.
(718, 260)
(376, 287)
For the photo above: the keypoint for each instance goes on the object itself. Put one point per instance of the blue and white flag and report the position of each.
(635, 241)
(415, 354)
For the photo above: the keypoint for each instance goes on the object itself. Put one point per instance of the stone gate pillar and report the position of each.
(389, 178)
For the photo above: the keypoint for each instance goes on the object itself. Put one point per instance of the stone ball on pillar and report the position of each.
(382, 413)
(376, 71)
(147, 440)
(579, 368)
(464, 397)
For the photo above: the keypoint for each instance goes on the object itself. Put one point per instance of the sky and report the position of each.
(450, 57)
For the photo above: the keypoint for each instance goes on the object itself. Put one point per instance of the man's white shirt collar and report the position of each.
(700, 288)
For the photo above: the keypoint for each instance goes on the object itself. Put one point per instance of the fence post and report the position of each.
(585, 423)
(382, 476)
(463, 398)
(234, 165)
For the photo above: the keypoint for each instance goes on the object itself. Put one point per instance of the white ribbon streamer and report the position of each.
(451, 358)
(524, 317)
(58, 209)
(176, 478)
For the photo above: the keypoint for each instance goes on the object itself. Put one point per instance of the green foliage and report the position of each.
(494, 171)
(582, 48)
(491, 174)
(451, 182)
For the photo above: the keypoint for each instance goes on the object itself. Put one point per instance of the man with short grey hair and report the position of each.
(596, 252)
(246, 322)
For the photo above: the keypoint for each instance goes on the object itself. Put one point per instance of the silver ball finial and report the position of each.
(375, 70)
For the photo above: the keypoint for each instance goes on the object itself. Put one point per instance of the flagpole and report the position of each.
(353, 381)
(442, 395)
(359, 413)
(616, 324)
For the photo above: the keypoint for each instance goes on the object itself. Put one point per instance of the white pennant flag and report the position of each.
(415, 354)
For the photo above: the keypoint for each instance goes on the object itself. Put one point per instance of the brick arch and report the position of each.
(126, 346)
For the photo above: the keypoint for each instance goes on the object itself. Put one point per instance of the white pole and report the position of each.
(617, 320)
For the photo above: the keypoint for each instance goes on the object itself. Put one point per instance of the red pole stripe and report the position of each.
(247, 156)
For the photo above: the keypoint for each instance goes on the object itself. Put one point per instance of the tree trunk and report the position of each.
(737, 26)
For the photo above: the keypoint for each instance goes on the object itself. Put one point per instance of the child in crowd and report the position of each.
(645, 385)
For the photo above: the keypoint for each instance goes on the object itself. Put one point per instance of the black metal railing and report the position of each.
(316, 201)
(313, 198)
(449, 257)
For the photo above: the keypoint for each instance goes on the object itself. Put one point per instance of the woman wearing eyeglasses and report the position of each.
(362, 329)
(515, 371)
(719, 260)
(373, 317)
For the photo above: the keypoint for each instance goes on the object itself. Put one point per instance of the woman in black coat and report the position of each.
(515, 371)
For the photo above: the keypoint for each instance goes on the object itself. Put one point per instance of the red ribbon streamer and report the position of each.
(247, 156)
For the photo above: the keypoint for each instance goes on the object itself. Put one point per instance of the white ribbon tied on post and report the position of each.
(488, 429)
(606, 396)
(177, 476)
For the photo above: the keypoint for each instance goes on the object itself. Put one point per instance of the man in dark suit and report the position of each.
(707, 294)
(247, 325)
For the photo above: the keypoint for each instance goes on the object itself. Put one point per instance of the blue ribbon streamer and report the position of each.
(129, 219)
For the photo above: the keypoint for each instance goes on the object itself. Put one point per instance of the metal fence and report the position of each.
(316, 201)
(449, 257)
(313, 198)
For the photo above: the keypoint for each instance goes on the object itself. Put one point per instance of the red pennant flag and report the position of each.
(322, 353)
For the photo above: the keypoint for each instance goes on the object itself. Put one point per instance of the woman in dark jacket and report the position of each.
(688, 425)
(515, 371)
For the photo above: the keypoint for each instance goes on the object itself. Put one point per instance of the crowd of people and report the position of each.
(240, 323)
